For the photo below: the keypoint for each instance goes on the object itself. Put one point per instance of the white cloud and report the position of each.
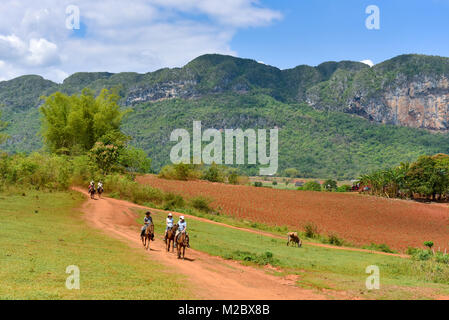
(368, 62)
(140, 36)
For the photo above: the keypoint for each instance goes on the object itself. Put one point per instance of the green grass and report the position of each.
(320, 268)
(41, 234)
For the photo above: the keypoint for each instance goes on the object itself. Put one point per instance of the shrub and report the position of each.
(334, 240)
(213, 174)
(379, 247)
(173, 201)
(233, 177)
(275, 183)
(330, 185)
(262, 259)
(201, 204)
(344, 188)
(429, 244)
(258, 184)
(422, 255)
(311, 186)
(310, 230)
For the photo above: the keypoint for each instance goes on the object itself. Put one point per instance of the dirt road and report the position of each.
(211, 277)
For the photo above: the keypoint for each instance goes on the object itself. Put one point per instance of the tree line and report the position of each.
(426, 178)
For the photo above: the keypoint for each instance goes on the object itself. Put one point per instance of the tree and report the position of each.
(429, 244)
(330, 185)
(213, 174)
(233, 176)
(73, 124)
(134, 160)
(291, 172)
(312, 186)
(427, 177)
(105, 156)
(3, 125)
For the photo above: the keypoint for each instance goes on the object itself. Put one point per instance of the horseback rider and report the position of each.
(92, 185)
(146, 221)
(169, 225)
(100, 186)
(182, 228)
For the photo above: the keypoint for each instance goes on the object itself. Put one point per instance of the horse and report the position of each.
(100, 190)
(181, 243)
(148, 236)
(293, 237)
(171, 232)
(92, 192)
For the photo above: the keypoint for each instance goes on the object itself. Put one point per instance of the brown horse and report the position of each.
(148, 236)
(171, 238)
(100, 191)
(92, 192)
(181, 243)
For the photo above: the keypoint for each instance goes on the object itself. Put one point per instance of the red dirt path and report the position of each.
(356, 218)
(209, 277)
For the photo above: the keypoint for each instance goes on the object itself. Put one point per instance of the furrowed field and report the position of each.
(356, 218)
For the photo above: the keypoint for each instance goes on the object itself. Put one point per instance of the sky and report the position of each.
(44, 37)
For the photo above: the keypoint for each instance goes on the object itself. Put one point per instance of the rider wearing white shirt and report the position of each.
(169, 225)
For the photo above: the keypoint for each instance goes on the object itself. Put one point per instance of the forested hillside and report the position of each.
(339, 119)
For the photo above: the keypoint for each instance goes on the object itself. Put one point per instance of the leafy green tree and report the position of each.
(291, 172)
(233, 176)
(330, 185)
(3, 136)
(134, 160)
(213, 174)
(311, 186)
(428, 244)
(428, 178)
(105, 156)
(73, 124)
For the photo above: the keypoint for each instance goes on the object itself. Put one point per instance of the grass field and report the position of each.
(320, 268)
(358, 219)
(41, 234)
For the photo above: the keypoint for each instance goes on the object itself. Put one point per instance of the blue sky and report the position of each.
(146, 35)
(311, 32)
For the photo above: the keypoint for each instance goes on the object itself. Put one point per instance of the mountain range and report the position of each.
(338, 119)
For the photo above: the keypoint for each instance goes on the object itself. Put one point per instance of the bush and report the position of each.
(262, 259)
(311, 230)
(422, 255)
(233, 177)
(344, 188)
(311, 186)
(213, 174)
(379, 247)
(173, 201)
(179, 172)
(429, 244)
(334, 240)
(258, 184)
(275, 183)
(330, 185)
(201, 204)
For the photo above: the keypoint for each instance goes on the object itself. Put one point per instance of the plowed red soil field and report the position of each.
(360, 219)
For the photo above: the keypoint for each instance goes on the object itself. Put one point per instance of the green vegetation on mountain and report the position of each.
(320, 136)
(317, 144)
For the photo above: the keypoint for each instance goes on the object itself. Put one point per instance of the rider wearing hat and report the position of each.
(182, 228)
(169, 225)
(146, 221)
